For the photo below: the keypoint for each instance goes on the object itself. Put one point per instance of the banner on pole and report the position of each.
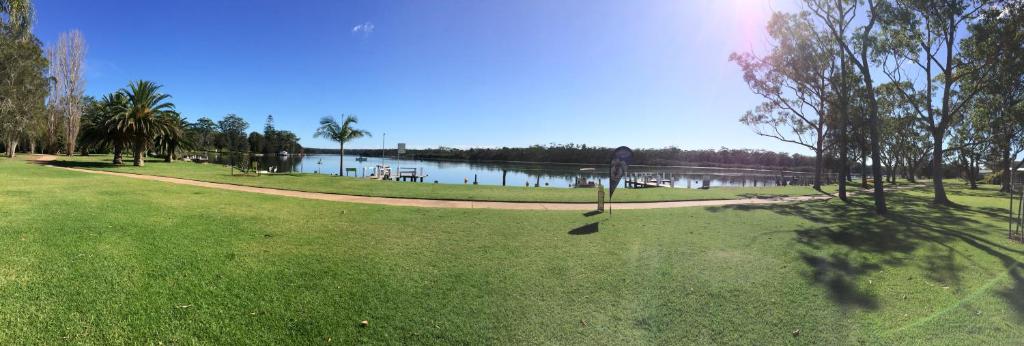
(621, 158)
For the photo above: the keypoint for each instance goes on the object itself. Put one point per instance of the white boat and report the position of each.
(282, 153)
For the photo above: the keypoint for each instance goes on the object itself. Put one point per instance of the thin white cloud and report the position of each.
(365, 28)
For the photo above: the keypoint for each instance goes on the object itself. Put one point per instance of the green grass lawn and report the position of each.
(366, 187)
(97, 259)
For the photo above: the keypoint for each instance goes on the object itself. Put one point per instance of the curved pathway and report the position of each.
(433, 203)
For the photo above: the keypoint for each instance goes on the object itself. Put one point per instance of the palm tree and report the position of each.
(330, 129)
(173, 138)
(142, 121)
(98, 130)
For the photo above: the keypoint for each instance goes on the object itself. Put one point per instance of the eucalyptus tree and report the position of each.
(23, 86)
(232, 129)
(19, 14)
(205, 130)
(920, 45)
(997, 39)
(794, 80)
(902, 138)
(857, 46)
(142, 121)
(968, 144)
(341, 133)
(67, 63)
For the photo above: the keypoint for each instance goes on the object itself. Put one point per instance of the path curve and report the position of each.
(433, 203)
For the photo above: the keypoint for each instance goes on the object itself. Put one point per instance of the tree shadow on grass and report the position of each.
(844, 234)
(589, 228)
(80, 164)
(763, 195)
(836, 273)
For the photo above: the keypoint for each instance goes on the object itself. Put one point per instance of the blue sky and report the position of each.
(431, 73)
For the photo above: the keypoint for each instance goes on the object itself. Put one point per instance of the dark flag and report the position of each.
(620, 162)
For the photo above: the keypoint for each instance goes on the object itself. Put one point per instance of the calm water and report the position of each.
(519, 174)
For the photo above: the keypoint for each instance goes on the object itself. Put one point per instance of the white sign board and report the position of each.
(401, 148)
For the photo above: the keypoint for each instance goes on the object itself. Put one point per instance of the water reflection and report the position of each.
(522, 174)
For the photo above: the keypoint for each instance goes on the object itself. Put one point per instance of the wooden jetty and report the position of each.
(410, 174)
(642, 181)
(380, 172)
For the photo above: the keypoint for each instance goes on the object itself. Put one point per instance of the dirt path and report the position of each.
(430, 203)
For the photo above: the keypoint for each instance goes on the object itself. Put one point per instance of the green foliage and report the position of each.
(340, 133)
(142, 119)
(205, 131)
(23, 85)
(174, 139)
(232, 133)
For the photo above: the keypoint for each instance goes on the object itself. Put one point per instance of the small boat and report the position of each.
(361, 159)
(282, 153)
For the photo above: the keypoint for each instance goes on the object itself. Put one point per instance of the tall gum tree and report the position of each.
(997, 37)
(22, 83)
(858, 46)
(920, 46)
(67, 63)
(794, 80)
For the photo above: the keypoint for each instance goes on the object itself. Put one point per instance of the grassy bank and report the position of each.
(98, 259)
(366, 187)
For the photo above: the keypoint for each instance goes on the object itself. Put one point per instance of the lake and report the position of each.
(520, 174)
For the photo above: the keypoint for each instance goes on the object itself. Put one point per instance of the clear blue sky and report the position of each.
(430, 73)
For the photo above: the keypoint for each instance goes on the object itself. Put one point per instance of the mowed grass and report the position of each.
(97, 259)
(365, 187)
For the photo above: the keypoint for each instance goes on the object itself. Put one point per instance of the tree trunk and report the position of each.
(1005, 179)
(889, 169)
(31, 147)
(138, 157)
(844, 118)
(940, 191)
(876, 147)
(863, 169)
(341, 159)
(818, 166)
(12, 148)
(170, 153)
(973, 172)
(118, 158)
(911, 173)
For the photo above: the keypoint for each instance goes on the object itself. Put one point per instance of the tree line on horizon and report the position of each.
(903, 84)
(582, 153)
